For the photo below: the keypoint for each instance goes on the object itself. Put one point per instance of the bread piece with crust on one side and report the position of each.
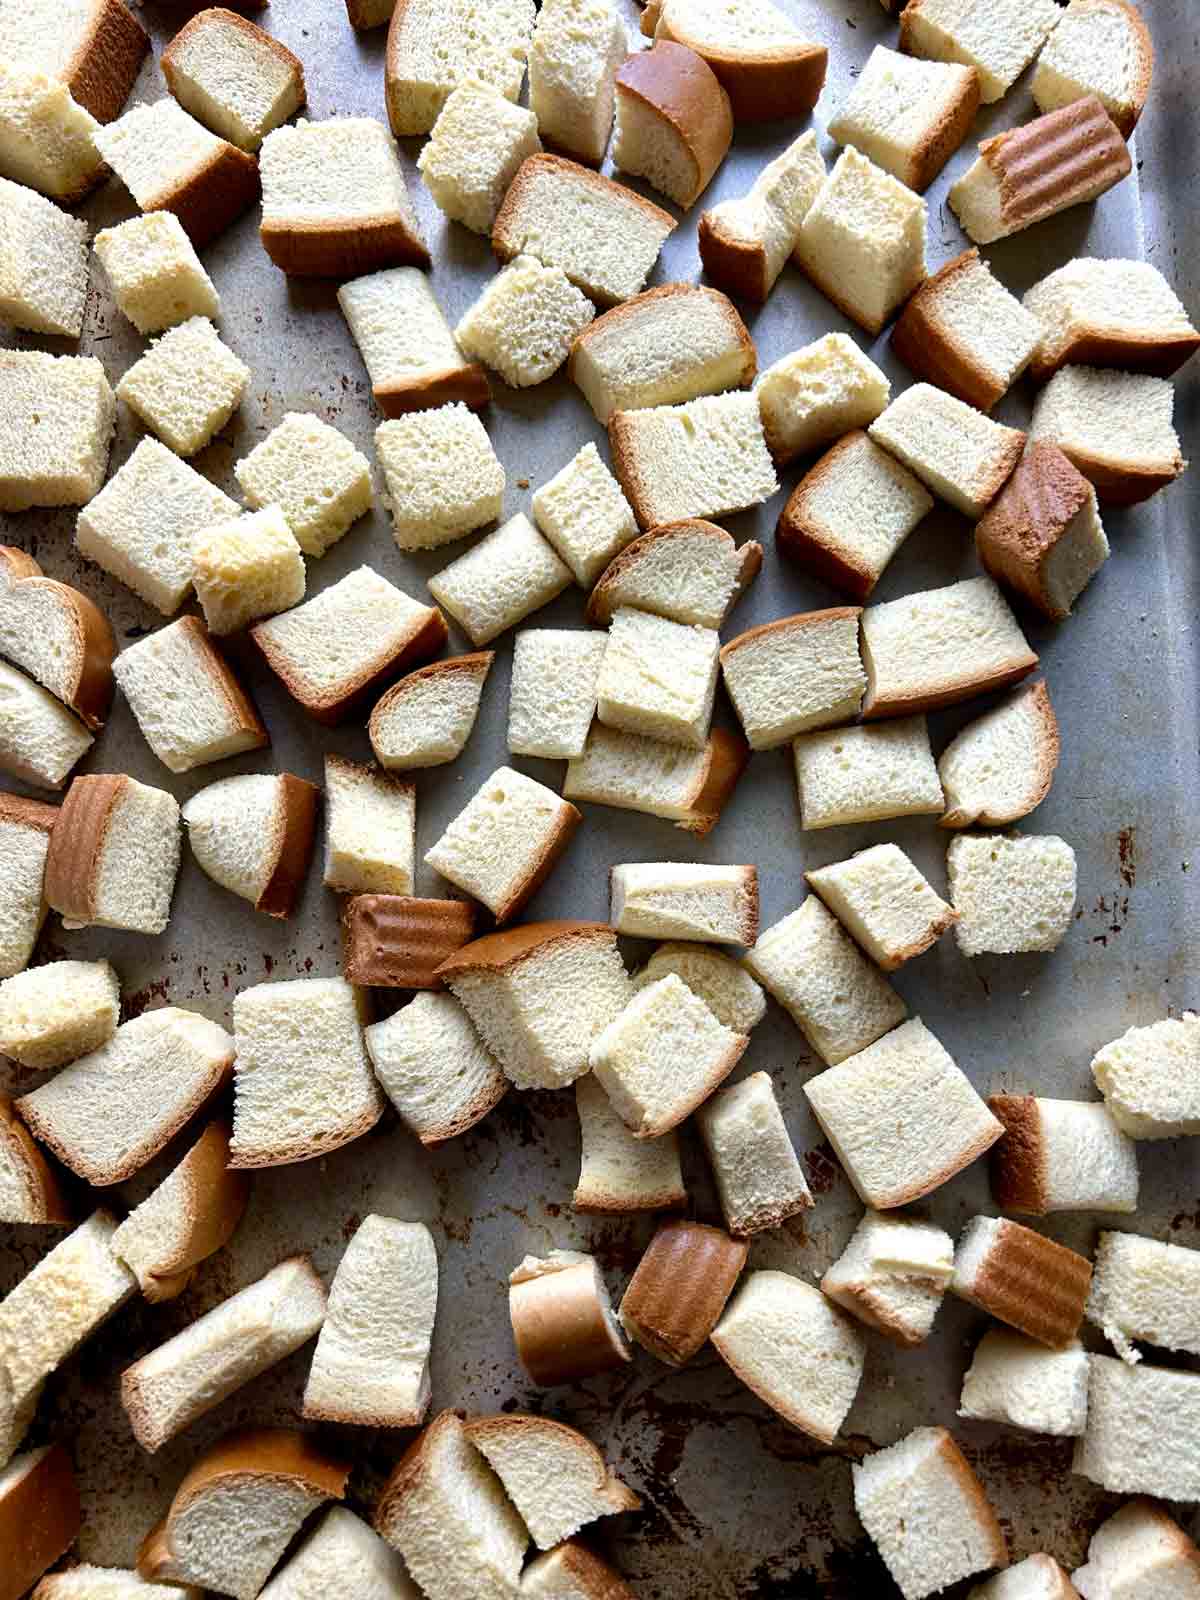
(956, 451)
(56, 429)
(745, 242)
(1018, 1381)
(583, 514)
(341, 1543)
(634, 773)
(370, 829)
(86, 1582)
(1115, 427)
(406, 344)
(689, 571)
(1109, 313)
(1100, 47)
(866, 774)
(114, 855)
(680, 1288)
(998, 39)
(53, 1014)
(1022, 1278)
(1038, 1577)
(94, 48)
(43, 264)
(1138, 1550)
(573, 59)
(39, 1514)
(563, 1324)
(1141, 1420)
(686, 900)
(817, 394)
(796, 674)
(237, 79)
(500, 581)
(473, 153)
(426, 719)
(674, 121)
(892, 1276)
(620, 1174)
(434, 1067)
(254, 836)
(762, 60)
(759, 1178)
(908, 116)
(29, 1190)
(885, 903)
(57, 635)
(25, 828)
(998, 768)
(46, 136)
(434, 45)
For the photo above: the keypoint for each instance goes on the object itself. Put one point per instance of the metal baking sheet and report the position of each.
(736, 1503)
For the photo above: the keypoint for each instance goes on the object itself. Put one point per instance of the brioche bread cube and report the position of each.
(877, 1110)
(553, 696)
(316, 477)
(30, 1192)
(156, 277)
(246, 568)
(794, 1349)
(686, 900)
(658, 678)
(892, 1276)
(370, 829)
(25, 828)
(302, 1081)
(817, 394)
(850, 513)
(1019, 1277)
(1018, 1381)
(999, 40)
(955, 450)
(233, 77)
(426, 719)
(523, 323)
(838, 1000)
(334, 200)
(633, 773)
(472, 155)
(94, 47)
(40, 740)
(908, 1495)
(908, 116)
(1000, 767)
(505, 842)
(677, 1294)
(1143, 1289)
(577, 47)
(141, 524)
(863, 241)
(1138, 1550)
(187, 385)
(1150, 1078)
(584, 515)
(1012, 892)
(45, 134)
(1042, 535)
(886, 905)
(1109, 314)
(662, 1056)
(55, 431)
(43, 264)
(758, 1175)
(406, 344)
(1139, 1426)
(866, 774)
(433, 46)
(763, 61)
(109, 1113)
(1061, 1155)
(705, 458)
(397, 941)
(114, 855)
(501, 580)
(724, 985)
(1100, 47)
(798, 673)
(434, 1068)
(443, 479)
(745, 242)
(619, 1173)
(374, 1371)
(1115, 427)
(53, 1014)
(964, 332)
(563, 1323)
(689, 571)
(340, 1542)
(674, 120)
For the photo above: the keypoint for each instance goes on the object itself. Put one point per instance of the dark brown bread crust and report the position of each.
(468, 383)
(762, 85)
(800, 537)
(675, 1298)
(683, 90)
(1018, 1160)
(73, 860)
(393, 941)
(39, 1519)
(48, 1203)
(928, 350)
(299, 801)
(216, 195)
(1036, 1286)
(738, 265)
(103, 69)
(600, 609)
(91, 636)
(343, 250)
(1058, 160)
(218, 14)
(1019, 531)
(560, 1328)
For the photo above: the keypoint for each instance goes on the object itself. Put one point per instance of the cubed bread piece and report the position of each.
(758, 1175)
(373, 1371)
(1061, 1155)
(55, 431)
(1019, 1277)
(334, 201)
(677, 1294)
(573, 1569)
(370, 829)
(674, 121)
(745, 242)
(246, 568)
(892, 1276)
(817, 394)
(1143, 1289)
(1150, 1078)
(94, 47)
(1012, 892)
(233, 77)
(109, 1113)
(406, 344)
(170, 162)
(689, 571)
(799, 673)
(577, 47)
(939, 646)
(908, 116)
(1018, 1381)
(336, 649)
(563, 1324)
(955, 450)
(397, 941)
(187, 385)
(53, 1014)
(433, 45)
(866, 774)
(25, 828)
(1000, 767)
(850, 513)
(908, 1495)
(685, 900)
(863, 241)
(45, 134)
(705, 458)
(1140, 1424)
(188, 704)
(40, 740)
(141, 524)
(584, 515)
(43, 264)
(57, 635)
(766, 65)
(302, 1083)
(39, 1514)
(882, 900)
(619, 1173)
(662, 1056)
(1109, 314)
(505, 842)
(998, 39)
(726, 988)
(634, 773)
(1042, 535)
(838, 1000)
(426, 719)
(443, 479)
(964, 332)
(602, 235)
(1139, 1550)
(658, 678)
(156, 277)
(472, 155)
(553, 695)
(434, 1068)
(114, 854)
(794, 1349)
(524, 322)
(316, 477)
(340, 1542)
(501, 580)
(1100, 47)
(1115, 427)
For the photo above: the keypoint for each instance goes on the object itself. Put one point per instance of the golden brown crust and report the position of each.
(39, 1519)
(600, 606)
(801, 537)
(1020, 530)
(256, 35)
(77, 843)
(727, 757)
(347, 249)
(468, 383)
(964, 687)
(1036, 1286)
(45, 1199)
(584, 1572)
(478, 664)
(519, 1424)
(22, 812)
(411, 1466)
(560, 836)
(932, 152)
(1121, 483)
(286, 1152)
(931, 350)
(960, 1160)
(1049, 747)
(216, 1201)
(1142, 45)
(1161, 355)
(762, 85)
(677, 1294)
(393, 941)
(92, 645)
(738, 264)
(560, 1328)
(863, 1302)
(213, 196)
(297, 824)
(680, 1110)
(102, 71)
(1020, 1181)
(239, 707)
(501, 952)
(682, 89)
(1058, 160)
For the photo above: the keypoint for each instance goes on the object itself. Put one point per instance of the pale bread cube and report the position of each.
(892, 1276)
(1123, 313)
(1115, 427)
(1061, 1155)
(53, 1014)
(25, 827)
(1140, 1424)
(1150, 1078)
(524, 322)
(339, 1541)
(409, 352)
(234, 77)
(619, 1173)
(584, 515)
(866, 774)
(316, 477)
(1147, 1290)
(908, 116)
(1038, 1577)
(1138, 1551)
(443, 479)
(956, 451)
(187, 385)
(573, 59)
(434, 1067)
(156, 277)
(501, 580)
(758, 1174)
(437, 44)
(472, 155)
(818, 393)
(370, 830)
(55, 430)
(745, 242)
(689, 571)
(43, 264)
(553, 695)
(45, 135)
(725, 986)
(1012, 892)
(246, 568)
(799, 673)
(426, 719)
(685, 900)
(999, 38)
(1100, 47)
(40, 740)
(658, 678)
(884, 903)
(1000, 767)
(1018, 1381)
(688, 787)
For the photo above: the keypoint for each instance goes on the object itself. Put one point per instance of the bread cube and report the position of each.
(782, 75)
(908, 116)
(745, 242)
(955, 450)
(553, 696)
(443, 479)
(892, 1276)
(1022, 1278)
(187, 385)
(726, 988)
(25, 827)
(472, 155)
(1000, 767)
(1143, 1289)
(254, 836)
(43, 264)
(1139, 1426)
(684, 900)
(505, 842)
(1061, 1155)
(1115, 427)
(1109, 313)
(1012, 892)
(658, 678)
(618, 1173)
(999, 40)
(585, 516)
(706, 458)
(246, 568)
(633, 773)
(798, 673)
(817, 394)
(759, 1177)
(156, 277)
(406, 344)
(234, 77)
(52, 1014)
(850, 513)
(866, 774)
(434, 1068)
(1138, 1551)
(370, 829)
(838, 1000)
(94, 47)
(426, 719)
(863, 241)
(873, 1109)
(1018, 1381)
(886, 905)
(1150, 1078)
(40, 740)
(576, 50)
(434, 47)
(677, 1294)
(46, 135)
(563, 1323)
(32, 1194)
(662, 1056)
(523, 323)
(114, 854)
(316, 477)
(397, 941)
(674, 118)
(56, 425)
(1100, 47)
(501, 580)
(1042, 536)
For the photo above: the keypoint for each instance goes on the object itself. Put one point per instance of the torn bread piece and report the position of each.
(1150, 1078)
(724, 985)
(39, 232)
(395, 941)
(1143, 1289)
(339, 1543)
(114, 855)
(674, 121)
(426, 719)
(563, 1324)
(233, 76)
(585, 516)
(680, 1288)
(1061, 1155)
(1018, 1381)
(1022, 1278)
(95, 48)
(59, 413)
(552, 698)
(1100, 47)
(434, 1067)
(998, 768)
(410, 354)
(500, 581)
(999, 38)
(908, 116)
(635, 773)
(1138, 1550)
(53, 1014)
(866, 774)
(254, 836)
(684, 900)
(818, 394)
(618, 1173)
(57, 635)
(745, 242)
(1115, 427)
(155, 275)
(316, 477)
(186, 386)
(759, 1177)
(370, 829)
(1042, 536)
(1096, 313)
(29, 1189)
(554, 1475)
(442, 476)
(474, 152)
(689, 571)
(1139, 1424)
(433, 46)
(247, 568)
(658, 678)
(573, 59)
(25, 828)
(884, 903)
(892, 1276)
(40, 740)
(1012, 892)
(957, 452)
(799, 673)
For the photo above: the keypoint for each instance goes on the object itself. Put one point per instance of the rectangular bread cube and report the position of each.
(1061, 1155)
(908, 116)
(633, 773)
(410, 354)
(818, 393)
(553, 695)
(525, 321)
(370, 829)
(43, 264)
(1140, 1426)
(686, 900)
(433, 45)
(1138, 1551)
(584, 515)
(999, 38)
(25, 827)
(1109, 314)
(658, 678)
(573, 59)
(798, 673)
(442, 477)
(1019, 1277)
(884, 903)
(1012, 892)
(45, 134)
(877, 1109)
(156, 277)
(1150, 1078)
(114, 855)
(187, 385)
(94, 47)
(501, 580)
(316, 477)
(619, 1173)
(233, 76)
(1017, 1381)
(55, 431)
(705, 458)
(955, 450)
(246, 568)
(759, 1177)
(472, 155)
(1000, 767)
(866, 774)
(745, 242)
(892, 1276)
(1115, 427)
(397, 941)
(40, 740)
(838, 1000)
(434, 1067)
(53, 1014)
(1147, 1290)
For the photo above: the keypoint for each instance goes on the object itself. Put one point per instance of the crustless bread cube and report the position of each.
(553, 696)
(1012, 892)
(817, 394)
(52, 1014)
(866, 774)
(577, 47)
(501, 580)
(726, 988)
(1138, 1551)
(523, 323)
(316, 477)
(234, 77)
(908, 116)
(443, 479)
(892, 911)
(43, 264)
(1140, 1424)
(1016, 1380)
(472, 155)
(246, 568)
(658, 678)
(187, 385)
(410, 354)
(1150, 1078)
(798, 673)
(758, 1174)
(156, 277)
(56, 423)
(370, 829)
(1147, 1290)
(583, 513)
